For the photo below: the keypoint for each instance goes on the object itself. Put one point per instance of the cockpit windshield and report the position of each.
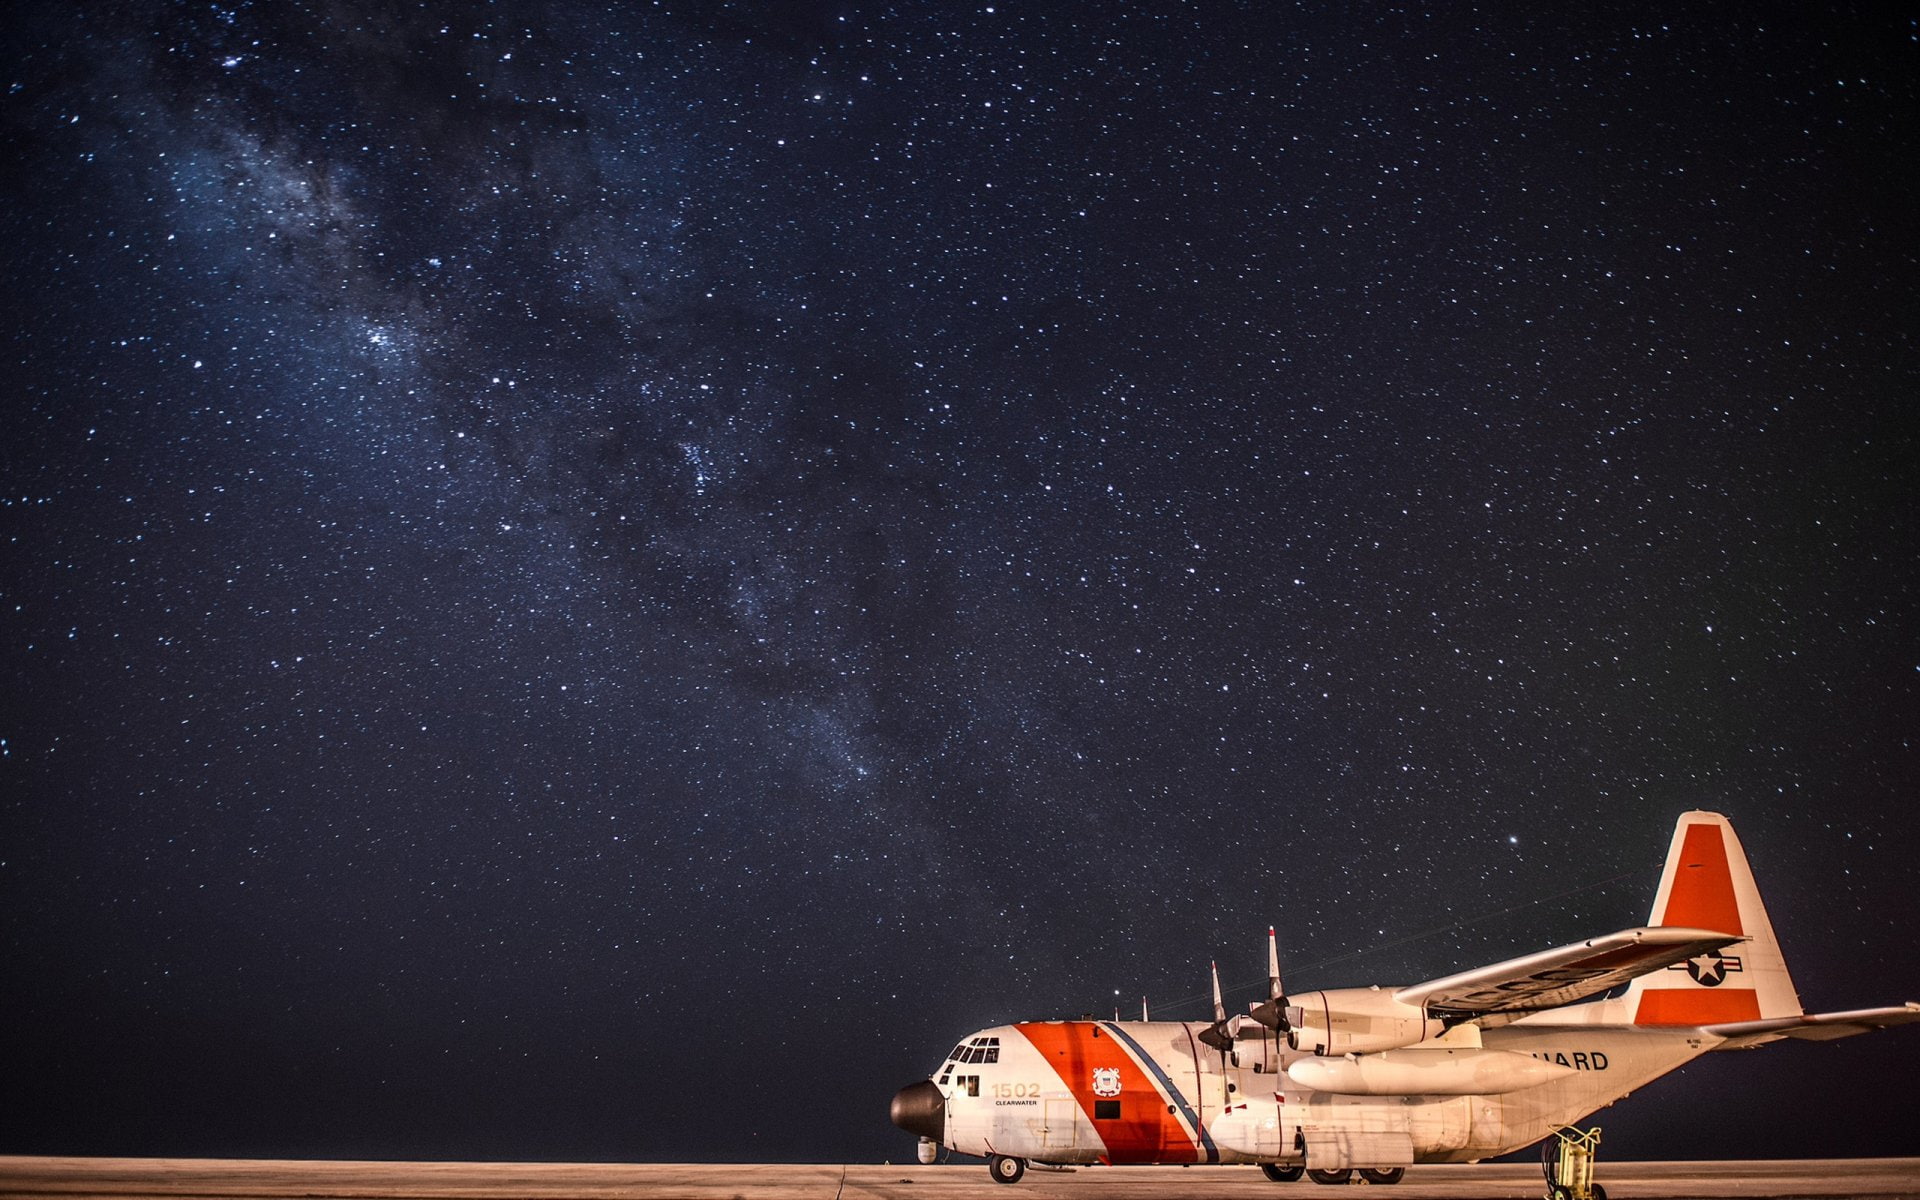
(973, 1050)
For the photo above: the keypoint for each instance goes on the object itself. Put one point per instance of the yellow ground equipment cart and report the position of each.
(1568, 1160)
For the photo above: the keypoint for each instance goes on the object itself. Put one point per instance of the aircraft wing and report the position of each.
(1510, 990)
(1813, 1027)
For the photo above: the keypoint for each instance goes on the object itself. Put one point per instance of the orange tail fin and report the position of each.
(1708, 885)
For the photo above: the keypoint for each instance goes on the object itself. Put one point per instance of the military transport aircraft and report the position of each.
(1375, 1078)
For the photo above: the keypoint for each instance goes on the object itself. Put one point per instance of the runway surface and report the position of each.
(235, 1179)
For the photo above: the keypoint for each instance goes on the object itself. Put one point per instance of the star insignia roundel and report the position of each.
(1708, 970)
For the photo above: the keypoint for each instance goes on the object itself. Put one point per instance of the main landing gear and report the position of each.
(1007, 1169)
(1293, 1171)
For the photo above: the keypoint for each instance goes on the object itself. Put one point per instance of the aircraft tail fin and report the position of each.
(1708, 885)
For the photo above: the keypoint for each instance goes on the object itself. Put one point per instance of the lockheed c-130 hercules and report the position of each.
(1376, 1078)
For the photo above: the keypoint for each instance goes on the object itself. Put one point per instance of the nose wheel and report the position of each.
(1005, 1169)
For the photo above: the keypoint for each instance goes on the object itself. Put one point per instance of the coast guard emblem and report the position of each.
(1106, 1081)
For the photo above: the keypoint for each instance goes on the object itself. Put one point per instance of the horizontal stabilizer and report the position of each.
(1510, 990)
(1813, 1027)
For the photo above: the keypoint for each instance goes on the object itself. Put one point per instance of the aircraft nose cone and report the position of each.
(920, 1108)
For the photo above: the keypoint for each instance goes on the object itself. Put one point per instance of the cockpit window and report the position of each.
(978, 1050)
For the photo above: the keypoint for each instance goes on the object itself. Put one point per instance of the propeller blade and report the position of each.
(1273, 1014)
(1216, 1034)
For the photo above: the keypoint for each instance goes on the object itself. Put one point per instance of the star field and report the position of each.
(603, 582)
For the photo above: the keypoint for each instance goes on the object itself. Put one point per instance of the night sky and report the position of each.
(603, 582)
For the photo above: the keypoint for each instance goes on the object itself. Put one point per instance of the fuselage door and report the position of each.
(1060, 1117)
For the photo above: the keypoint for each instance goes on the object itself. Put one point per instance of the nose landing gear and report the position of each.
(1005, 1169)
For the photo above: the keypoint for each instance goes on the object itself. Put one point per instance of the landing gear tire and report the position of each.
(1280, 1174)
(1006, 1170)
(1383, 1174)
(1340, 1175)
(1599, 1193)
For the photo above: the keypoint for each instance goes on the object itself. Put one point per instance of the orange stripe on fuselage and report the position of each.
(1145, 1132)
(1697, 1006)
(1702, 895)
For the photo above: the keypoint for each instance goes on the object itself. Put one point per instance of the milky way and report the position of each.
(603, 582)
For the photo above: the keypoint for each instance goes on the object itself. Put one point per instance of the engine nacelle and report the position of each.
(1356, 1021)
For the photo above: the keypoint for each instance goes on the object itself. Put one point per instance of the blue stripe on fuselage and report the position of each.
(1173, 1093)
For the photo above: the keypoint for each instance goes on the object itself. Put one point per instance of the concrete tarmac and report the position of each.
(260, 1179)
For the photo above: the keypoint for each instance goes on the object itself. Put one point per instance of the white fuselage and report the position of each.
(1152, 1091)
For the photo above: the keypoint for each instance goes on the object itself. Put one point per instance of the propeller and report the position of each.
(1218, 1035)
(1273, 1013)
